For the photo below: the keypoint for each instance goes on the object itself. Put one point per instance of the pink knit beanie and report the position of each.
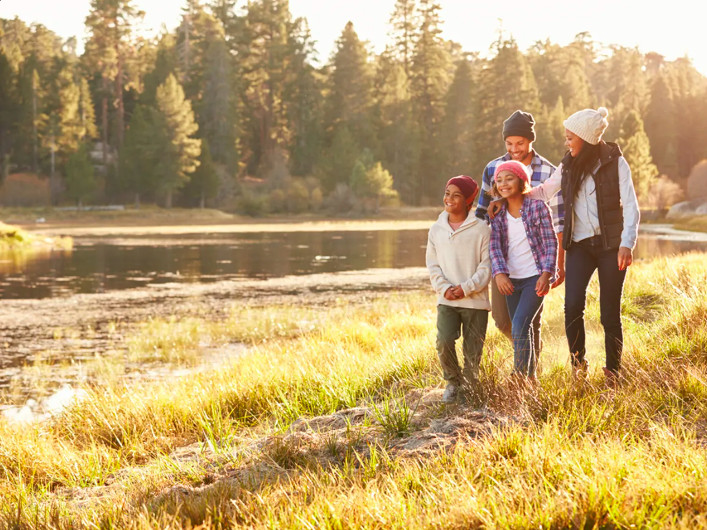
(517, 168)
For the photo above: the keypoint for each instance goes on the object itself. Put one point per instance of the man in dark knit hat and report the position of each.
(519, 135)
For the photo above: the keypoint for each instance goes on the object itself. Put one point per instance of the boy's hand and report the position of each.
(542, 286)
(454, 293)
(504, 284)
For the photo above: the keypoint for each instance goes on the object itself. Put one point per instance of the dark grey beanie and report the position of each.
(519, 124)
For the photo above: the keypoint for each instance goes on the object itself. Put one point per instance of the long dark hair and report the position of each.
(582, 165)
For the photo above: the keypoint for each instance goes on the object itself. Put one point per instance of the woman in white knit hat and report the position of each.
(599, 233)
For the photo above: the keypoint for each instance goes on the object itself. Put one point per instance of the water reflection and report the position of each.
(97, 265)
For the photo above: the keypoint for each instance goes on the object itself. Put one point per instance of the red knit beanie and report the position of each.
(515, 167)
(466, 185)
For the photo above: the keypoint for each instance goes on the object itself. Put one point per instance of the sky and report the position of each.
(673, 29)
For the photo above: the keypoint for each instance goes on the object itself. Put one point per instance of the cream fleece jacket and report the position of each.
(460, 257)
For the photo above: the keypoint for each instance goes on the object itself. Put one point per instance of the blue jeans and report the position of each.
(523, 306)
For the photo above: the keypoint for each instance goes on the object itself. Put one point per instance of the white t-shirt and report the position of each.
(521, 263)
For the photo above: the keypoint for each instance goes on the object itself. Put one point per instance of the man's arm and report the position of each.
(484, 196)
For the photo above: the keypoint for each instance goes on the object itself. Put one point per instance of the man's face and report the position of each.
(519, 147)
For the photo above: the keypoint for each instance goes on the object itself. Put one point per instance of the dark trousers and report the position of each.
(523, 307)
(453, 322)
(581, 260)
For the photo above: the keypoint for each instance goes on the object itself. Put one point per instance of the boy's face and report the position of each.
(454, 201)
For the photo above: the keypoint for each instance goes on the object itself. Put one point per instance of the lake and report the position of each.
(99, 264)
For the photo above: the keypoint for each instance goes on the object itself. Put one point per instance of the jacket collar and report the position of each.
(443, 220)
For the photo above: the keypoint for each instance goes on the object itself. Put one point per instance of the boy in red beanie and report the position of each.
(460, 270)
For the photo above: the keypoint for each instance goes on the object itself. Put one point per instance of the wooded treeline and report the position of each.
(230, 109)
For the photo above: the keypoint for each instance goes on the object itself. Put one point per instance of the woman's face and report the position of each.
(508, 184)
(573, 142)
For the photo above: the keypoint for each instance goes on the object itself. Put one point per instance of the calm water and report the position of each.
(97, 265)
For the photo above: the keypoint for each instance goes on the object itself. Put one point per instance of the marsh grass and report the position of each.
(581, 456)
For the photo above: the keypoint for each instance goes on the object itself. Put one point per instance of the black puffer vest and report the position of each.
(606, 180)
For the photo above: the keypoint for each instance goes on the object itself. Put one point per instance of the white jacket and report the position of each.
(460, 257)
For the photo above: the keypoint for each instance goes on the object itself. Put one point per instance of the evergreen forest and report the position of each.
(234, 109)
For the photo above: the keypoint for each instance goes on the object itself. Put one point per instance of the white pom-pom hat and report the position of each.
(588, 124)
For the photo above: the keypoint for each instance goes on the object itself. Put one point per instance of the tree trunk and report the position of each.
(104, 121)
(121, 105)
(168, 199)
(35, 165)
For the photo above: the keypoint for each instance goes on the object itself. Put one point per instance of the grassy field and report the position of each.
(331, 419)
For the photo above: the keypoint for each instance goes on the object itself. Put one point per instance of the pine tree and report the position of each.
(80, 179)
(217, 112)
(7, 113)
(505, 85)
(266, 41)
(405, 24)
(110, 24)
(395, 125)
(204, 182)
(457, 132)
(351, 85)
(348, 108)
(180, 156)
(550, 132)
(660, 126)
(142, 152)
(636, 149)
(431, 76)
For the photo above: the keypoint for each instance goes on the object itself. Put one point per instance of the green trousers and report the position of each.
(455, 322)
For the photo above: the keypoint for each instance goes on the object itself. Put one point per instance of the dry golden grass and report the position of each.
(227, 448)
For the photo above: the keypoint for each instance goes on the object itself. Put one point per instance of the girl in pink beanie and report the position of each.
(523, 252)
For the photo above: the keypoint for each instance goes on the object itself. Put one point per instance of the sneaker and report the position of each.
(450, 393)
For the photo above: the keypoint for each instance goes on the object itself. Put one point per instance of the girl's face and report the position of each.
(573, 142)
(508, 184)
(454, 201)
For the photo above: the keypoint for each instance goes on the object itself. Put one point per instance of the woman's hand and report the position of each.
(504, 284)
(625, 258)
(542, 286)
(494, 208)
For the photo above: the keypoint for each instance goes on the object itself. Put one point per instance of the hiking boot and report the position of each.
(612, 378)
(450, 393)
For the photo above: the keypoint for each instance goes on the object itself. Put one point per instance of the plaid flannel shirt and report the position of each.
(539, 231)
(542, 169)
